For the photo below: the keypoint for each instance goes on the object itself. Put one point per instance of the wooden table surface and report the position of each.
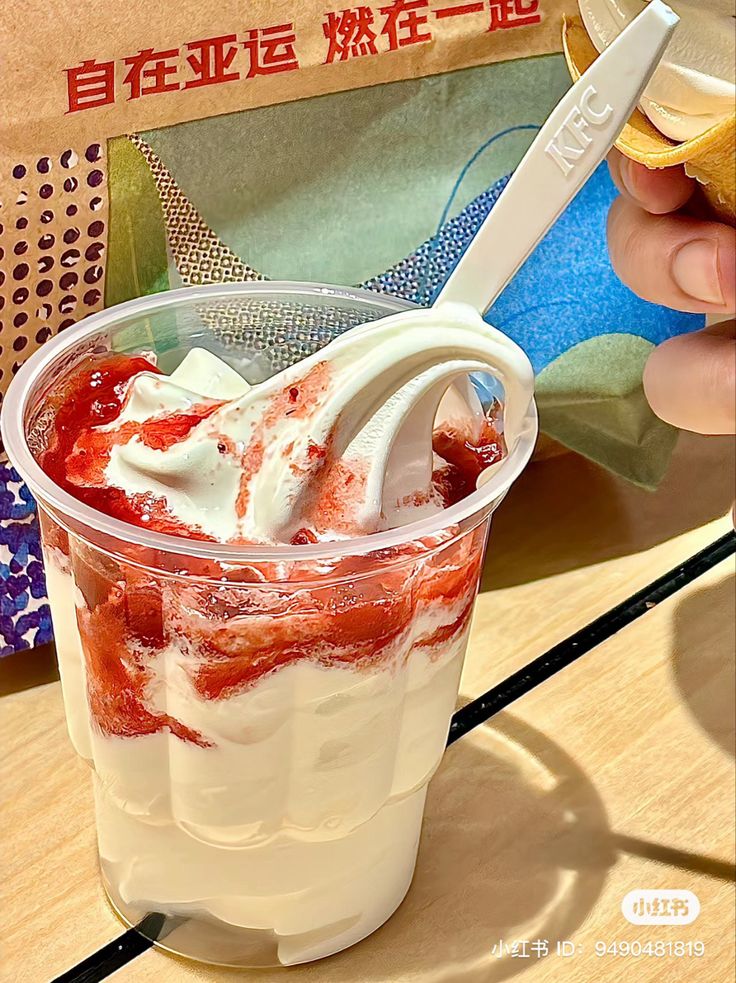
(616, 774)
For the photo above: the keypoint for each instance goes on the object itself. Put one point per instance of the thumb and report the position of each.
(690, 381)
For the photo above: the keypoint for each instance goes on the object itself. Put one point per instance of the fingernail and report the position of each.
(695, 271)
(627, 176)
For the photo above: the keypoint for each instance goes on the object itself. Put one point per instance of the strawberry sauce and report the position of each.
(363, 612)
(468, 458)
(78, 452)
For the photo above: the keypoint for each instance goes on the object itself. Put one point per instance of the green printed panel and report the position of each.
(137, 261)
(591, 400)
(341, 187)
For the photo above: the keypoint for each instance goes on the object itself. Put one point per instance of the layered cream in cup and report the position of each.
(261, 720)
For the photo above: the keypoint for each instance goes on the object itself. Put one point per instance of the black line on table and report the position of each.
(133, 943)
(115, 954)
(566, 652)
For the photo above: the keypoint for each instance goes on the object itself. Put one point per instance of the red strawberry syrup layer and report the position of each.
(363, 612)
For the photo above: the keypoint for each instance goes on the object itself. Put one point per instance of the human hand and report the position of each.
(671, 258)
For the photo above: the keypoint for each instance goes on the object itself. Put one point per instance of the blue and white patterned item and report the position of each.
(25, 619)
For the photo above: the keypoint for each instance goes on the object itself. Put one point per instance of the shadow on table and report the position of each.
(516, 845)
(704, 660)
(567, 513)
(661, 853)
(704, 669)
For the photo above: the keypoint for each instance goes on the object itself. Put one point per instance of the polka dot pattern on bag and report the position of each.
(53, 245)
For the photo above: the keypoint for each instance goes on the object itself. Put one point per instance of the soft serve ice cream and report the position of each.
(325, 444)
(694, 87)
(262, 733)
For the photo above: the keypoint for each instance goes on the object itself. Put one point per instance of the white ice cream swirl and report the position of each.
(273, 455)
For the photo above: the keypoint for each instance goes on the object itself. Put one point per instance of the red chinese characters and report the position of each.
(459, 10)
(90, 85)
(149, 71)
(357, 31)
(349, 34)
(271, 49)
(405, 23)
(514, 13)
(352, 32)
(504, 13)
(210, 61)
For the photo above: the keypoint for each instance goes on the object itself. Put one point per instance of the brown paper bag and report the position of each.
(78, 75)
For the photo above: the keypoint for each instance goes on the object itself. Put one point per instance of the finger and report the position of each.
(656, 191)
(690, 381)
(674, 260)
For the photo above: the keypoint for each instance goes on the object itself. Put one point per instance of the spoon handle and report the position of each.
(574, 140)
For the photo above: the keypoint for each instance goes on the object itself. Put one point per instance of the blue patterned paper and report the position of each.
(25, 619)
(566, 292)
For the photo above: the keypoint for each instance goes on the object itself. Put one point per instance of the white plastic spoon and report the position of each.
(578, 134)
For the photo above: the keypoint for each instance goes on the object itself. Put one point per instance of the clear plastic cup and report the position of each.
(261, 722)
